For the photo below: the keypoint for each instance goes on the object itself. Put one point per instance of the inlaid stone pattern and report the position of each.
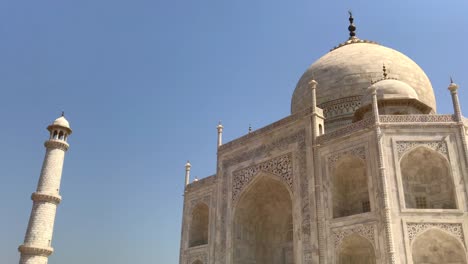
(414, 229)
(366, 231)
(359, 152)
(416, 118)
(404, 146)
(280, 166)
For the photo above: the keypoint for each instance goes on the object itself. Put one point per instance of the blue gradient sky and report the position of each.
(144, 83)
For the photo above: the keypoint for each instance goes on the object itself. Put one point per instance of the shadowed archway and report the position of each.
(263, 225)
(435, 247)
(356, 250)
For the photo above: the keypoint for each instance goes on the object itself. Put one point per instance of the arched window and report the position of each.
(198, 234)
(350, 191)
(320, 130)
(61, 135)
(436, 247)
(427, 181)
(356, 250)
(55, 136)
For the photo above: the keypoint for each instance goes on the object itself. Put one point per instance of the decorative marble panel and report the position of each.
(359, 152)
(414, 229)
(366, 231)
(280, 166)
(404, 146)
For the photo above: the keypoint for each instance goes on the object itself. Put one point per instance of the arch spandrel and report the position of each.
(281, 167)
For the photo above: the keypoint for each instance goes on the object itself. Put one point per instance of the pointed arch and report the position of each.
(263, 223)
(198, 232)
(427, 180)
(356, 249)
(350, 190)
(435, 246)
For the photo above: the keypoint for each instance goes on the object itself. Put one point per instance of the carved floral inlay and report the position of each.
(404, 146)
(414, 229)
(359, 152)
(366, 231)
(280, 166)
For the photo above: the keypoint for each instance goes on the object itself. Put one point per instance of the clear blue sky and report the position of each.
(144, 83)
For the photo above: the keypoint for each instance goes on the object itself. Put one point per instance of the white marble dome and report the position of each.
(345, 72)
(61, 121)
(390, 89)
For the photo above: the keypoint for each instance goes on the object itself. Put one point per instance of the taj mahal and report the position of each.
(363, 171)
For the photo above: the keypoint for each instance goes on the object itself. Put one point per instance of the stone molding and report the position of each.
(44, 197)
(280, 166)
(405, 146)
(36, 251)
(366, 231)
(415, 229)
(243, 139)
(56, 144)
(359, 152)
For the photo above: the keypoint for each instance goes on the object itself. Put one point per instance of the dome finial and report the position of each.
(63, 113)
(384, 72)
(352, 27)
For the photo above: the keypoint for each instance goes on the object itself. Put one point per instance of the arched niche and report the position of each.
(427, 181)
(349, 187)
(263, 224)
(355, 249)
(436, 247)
(198, 234)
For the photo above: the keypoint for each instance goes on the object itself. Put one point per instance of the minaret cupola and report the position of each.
(60, 129)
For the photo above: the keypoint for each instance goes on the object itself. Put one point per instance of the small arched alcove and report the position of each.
(427, 181)
(355, 249)
(349, 187)
(198, 234)
(262, 230)
(436, 247)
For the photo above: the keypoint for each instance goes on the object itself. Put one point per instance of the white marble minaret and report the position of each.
(37, 242)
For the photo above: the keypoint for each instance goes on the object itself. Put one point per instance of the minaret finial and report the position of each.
(63, 113)
(220, 133)
(451, 79)
(352, 27)
(250, 128)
